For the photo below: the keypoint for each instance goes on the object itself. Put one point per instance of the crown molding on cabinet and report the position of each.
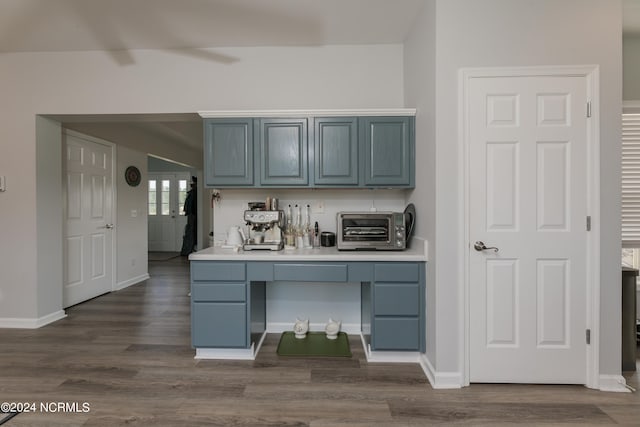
(305, 113)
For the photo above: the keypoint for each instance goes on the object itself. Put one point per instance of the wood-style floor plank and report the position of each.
(128, 354)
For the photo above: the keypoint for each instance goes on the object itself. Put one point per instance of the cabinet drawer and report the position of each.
(210, 271)
(396, 334)
(310, 273)
(401, 272)
(219, 325)
(396, 299)
(219, 292)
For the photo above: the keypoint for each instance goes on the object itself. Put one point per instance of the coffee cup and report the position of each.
(234, 238)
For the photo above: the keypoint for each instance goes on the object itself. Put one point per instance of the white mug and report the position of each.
(234, 237)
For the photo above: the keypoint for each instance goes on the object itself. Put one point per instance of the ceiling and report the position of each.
(65, 25)
(116, 26)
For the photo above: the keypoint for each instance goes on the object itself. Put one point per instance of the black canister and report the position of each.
(327, 238)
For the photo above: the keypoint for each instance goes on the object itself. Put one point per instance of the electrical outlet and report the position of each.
(318, 207)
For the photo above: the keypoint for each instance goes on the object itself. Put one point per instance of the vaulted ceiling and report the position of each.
(116, 26)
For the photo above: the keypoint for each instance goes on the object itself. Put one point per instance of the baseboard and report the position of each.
(32, 323)
(130, 282)
(440, 380)
(613, 383)
(277, 327)
(226, 353)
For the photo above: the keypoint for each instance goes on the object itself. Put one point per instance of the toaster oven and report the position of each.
(385, 231)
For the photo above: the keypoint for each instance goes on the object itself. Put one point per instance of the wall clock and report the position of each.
(132, 176)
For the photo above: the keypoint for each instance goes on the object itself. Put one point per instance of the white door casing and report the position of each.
(89, 218)
(166, 219)
(529, 151)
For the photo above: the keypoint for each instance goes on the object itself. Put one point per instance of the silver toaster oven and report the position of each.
(384, 231)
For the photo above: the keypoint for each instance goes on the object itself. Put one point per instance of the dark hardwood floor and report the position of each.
(127, 354)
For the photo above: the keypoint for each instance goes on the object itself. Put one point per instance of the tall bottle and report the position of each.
(289, 234)
(307, 234)
(299, 228)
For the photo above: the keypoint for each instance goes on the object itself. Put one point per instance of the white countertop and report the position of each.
(417, 252)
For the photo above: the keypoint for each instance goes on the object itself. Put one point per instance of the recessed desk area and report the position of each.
(228, 297)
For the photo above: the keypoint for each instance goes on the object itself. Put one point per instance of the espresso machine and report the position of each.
(265, 230)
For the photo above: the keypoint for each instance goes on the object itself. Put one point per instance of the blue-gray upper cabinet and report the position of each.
(283, 152)
(336, 151)
(228, 152)
(388, 151)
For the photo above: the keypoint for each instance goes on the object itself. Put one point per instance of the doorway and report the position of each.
(166, 216)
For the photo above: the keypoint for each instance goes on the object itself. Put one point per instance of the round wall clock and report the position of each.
(132, 176)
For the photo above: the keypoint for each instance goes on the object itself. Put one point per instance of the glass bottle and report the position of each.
(299, 228)
(289, 233)
(307, 235)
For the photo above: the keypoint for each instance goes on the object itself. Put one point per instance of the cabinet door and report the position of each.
(283, 152)
(336, 151)
(388, 151)
(228, 152)
(396, 333)
(219, 324)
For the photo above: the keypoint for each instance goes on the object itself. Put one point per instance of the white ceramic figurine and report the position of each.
(332, 329)
(300, 328)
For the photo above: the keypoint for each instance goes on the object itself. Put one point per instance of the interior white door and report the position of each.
(166, 221)
(88, 242)
(528, 198)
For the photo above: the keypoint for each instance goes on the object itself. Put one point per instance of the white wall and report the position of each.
(157, 82)
(140, 140)
(419, 90)
(467, 33)
(631, 66)
(49, 211)
(131, 231)
(155, 164)
(494, 33)
(230, 209)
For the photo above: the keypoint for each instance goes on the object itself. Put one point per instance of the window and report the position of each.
(631, 185)
(182, 195)
(164, 197)
(152, 197)
(631, 180)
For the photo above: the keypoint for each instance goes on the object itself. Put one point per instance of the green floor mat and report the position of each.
(315, 344)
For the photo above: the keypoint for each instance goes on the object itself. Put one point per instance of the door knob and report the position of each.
(480, 246)
(108, 226)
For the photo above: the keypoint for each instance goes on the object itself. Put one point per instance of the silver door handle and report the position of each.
(480, 246)
(107, 226)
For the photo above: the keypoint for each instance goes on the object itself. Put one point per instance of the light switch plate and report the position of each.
(3, 183)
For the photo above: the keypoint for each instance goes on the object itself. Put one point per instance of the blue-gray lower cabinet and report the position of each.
(219, 305)
(219, 324)
(395, 301)
(228, 299)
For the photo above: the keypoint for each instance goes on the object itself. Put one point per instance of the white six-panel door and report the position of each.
(88, 231)
(528, 198)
